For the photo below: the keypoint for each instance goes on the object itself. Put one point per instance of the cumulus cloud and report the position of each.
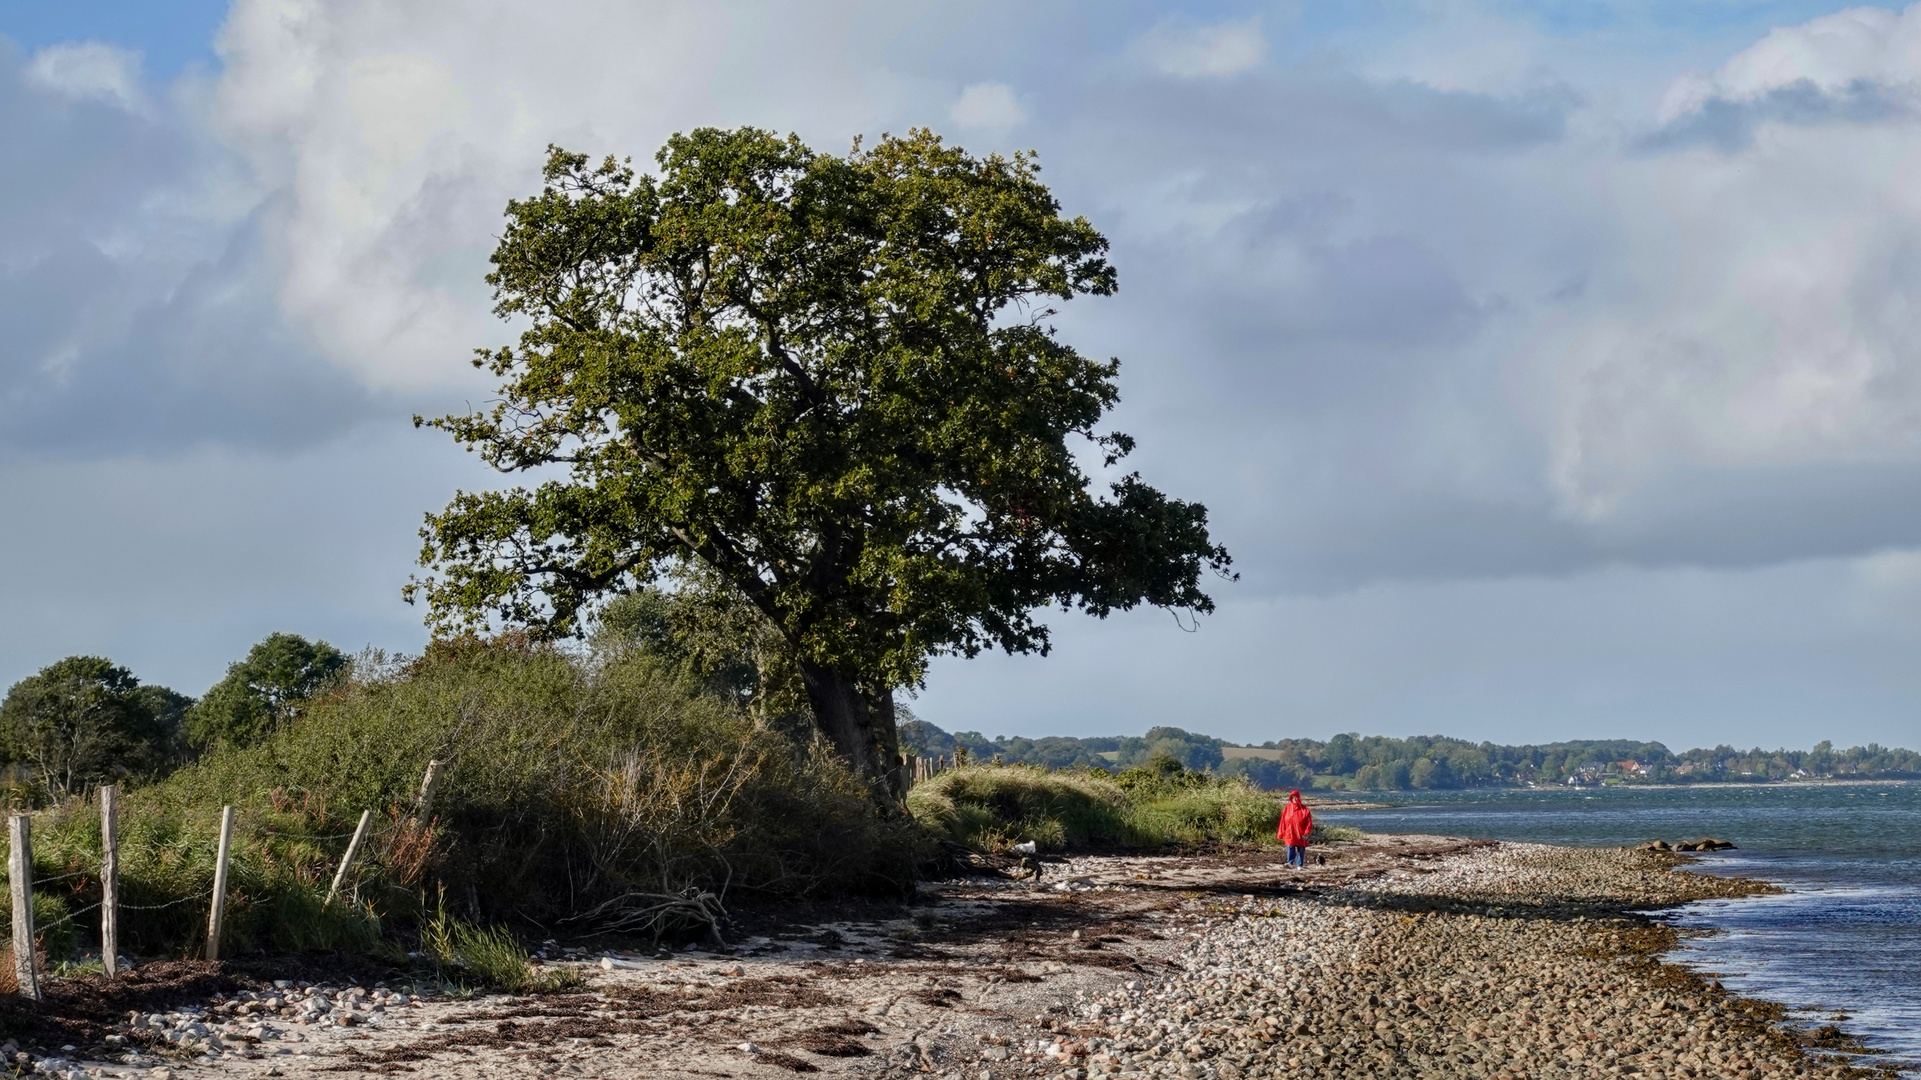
(1757, 311)
(1406, 325)
(1830, 54)
(395, 136)
(1855, 66)
(1199, 52)
(89, 71)
(990, 106)
(136, 285)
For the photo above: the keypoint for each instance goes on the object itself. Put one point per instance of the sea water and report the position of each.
(1843, 940)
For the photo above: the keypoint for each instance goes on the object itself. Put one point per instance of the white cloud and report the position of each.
(1830, 53)
(1196, 52)
(393, 136)
(1459, 337)
(89, 71)
(990, 105)
(1754, 305)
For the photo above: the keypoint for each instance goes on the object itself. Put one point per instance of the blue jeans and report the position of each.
(1297, 855)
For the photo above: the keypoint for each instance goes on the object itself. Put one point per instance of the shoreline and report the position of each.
(1708, 785)
(1400, 956)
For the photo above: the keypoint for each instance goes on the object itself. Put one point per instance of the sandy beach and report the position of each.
(1396, 957)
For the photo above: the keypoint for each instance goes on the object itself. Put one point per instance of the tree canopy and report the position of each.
(85, 720)
(831, 383)
(269, 685)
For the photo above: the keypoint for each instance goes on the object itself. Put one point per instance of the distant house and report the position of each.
(1630, 767)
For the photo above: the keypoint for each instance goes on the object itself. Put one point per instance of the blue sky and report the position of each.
(1547, 368)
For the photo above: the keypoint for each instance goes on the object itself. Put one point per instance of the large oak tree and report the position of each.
(829, 382)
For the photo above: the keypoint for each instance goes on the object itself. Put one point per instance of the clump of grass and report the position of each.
(1170, 804)
(993, 807)
(1334, 834)
(469, 957)
(1227, 810)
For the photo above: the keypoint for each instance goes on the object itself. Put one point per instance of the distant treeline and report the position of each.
(1377, 763)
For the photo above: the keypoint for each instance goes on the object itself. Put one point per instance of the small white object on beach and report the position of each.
(608, 963)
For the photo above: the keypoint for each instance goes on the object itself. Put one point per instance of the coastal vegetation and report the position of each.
(592, 791)
(1352, 762)
(641, 784)
(1157, 805)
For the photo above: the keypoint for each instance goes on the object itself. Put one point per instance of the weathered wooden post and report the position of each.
(424, 806)
(353, 849)
(109, 881)
(219, 911)
(20, 877)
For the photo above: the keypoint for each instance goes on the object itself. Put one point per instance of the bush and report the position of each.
(1157, 805)
(994, 807)
(575, 795)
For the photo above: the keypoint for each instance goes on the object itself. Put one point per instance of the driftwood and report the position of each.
(655, 913)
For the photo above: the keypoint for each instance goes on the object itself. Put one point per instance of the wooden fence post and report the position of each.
(353, 848)
(424, 806)
(109, 881)
(20, 877)
(219, 911)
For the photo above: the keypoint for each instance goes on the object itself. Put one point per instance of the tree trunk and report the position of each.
(859, 724)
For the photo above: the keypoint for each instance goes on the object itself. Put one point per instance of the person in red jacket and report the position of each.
(1297, 821)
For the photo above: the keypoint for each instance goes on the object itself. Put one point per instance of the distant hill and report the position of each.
(1375, 762)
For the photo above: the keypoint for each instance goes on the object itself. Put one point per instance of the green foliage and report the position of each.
(1161, 773)
(706, 632)
(1375, 762)
(269, 686)
(572, 787)
(1157, 806)
(53, 925)
(1268, 774)
(1195, 752)
(275, 884)
(476, 958)
(568, 782)
(83, 721)
(922, 739)
(797, 373)
(993, 808)
(1213, 811)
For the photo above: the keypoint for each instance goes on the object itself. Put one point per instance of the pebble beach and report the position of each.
(1393, 956)
(1370, 981)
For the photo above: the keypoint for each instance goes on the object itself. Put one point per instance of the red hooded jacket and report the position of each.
(1297, 821)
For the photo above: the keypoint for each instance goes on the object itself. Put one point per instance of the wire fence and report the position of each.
(21, 881)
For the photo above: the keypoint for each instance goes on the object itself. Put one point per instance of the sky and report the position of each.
(1550, 370)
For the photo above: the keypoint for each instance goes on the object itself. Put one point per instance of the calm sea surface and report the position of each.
(1845, 938)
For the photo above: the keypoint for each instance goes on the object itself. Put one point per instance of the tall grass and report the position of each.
(994, 807)
(577, 794)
